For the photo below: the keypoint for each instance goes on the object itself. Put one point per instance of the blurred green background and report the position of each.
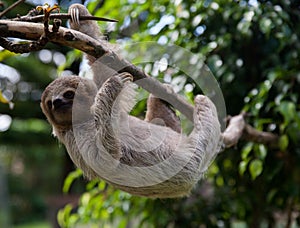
(253, 50)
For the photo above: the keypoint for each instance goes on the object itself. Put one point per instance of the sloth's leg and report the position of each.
(160, 112)
(206, 135)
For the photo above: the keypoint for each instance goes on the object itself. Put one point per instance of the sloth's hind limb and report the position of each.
(206, 135)
(160, 112)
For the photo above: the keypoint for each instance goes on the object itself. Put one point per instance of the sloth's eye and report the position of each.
(69, 95)
(49, 104)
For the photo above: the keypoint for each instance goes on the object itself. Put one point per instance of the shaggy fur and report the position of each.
(134, 155)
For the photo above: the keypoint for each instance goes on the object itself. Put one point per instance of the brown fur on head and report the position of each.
(58, 98)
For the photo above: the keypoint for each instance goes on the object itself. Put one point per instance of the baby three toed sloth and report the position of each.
(134, 155)
(141, 157)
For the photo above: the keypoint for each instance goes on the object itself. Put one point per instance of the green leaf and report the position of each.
(4, 54)
(70, 179)
(63, 215)
(242, 167)
(288, 110)
(283, 142)
(262, 151)
(246, 150)
(85, 198)
(255, 168)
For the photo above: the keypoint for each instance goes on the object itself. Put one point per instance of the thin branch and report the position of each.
(23, 47)
(10, 8)
(254, 135)
(62, 16)
(238, 129)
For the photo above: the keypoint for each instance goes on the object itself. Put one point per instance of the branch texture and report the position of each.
(238, 129)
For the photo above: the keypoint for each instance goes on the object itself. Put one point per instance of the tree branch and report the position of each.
(236, 129)
(39, 18)
(64, 36)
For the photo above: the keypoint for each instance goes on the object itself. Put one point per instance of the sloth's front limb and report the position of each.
(104, 111)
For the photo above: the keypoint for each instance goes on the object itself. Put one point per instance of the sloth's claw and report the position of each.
(125, 77)
(74, 13)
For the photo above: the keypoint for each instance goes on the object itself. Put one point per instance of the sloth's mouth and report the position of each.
(63, 106)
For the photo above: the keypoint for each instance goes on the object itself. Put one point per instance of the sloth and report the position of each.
(149, 157)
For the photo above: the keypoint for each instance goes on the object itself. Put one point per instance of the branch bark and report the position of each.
(40, 18)
(236, 129)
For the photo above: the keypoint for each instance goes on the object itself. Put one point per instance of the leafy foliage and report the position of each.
(252, 48)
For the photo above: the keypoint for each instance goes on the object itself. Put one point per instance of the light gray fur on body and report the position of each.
(139, 157)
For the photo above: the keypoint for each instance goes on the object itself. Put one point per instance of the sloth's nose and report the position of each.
(57, 103)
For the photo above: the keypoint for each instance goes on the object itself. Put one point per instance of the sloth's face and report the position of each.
(58, 98)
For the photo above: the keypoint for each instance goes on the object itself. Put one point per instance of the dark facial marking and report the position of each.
(69, 94)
